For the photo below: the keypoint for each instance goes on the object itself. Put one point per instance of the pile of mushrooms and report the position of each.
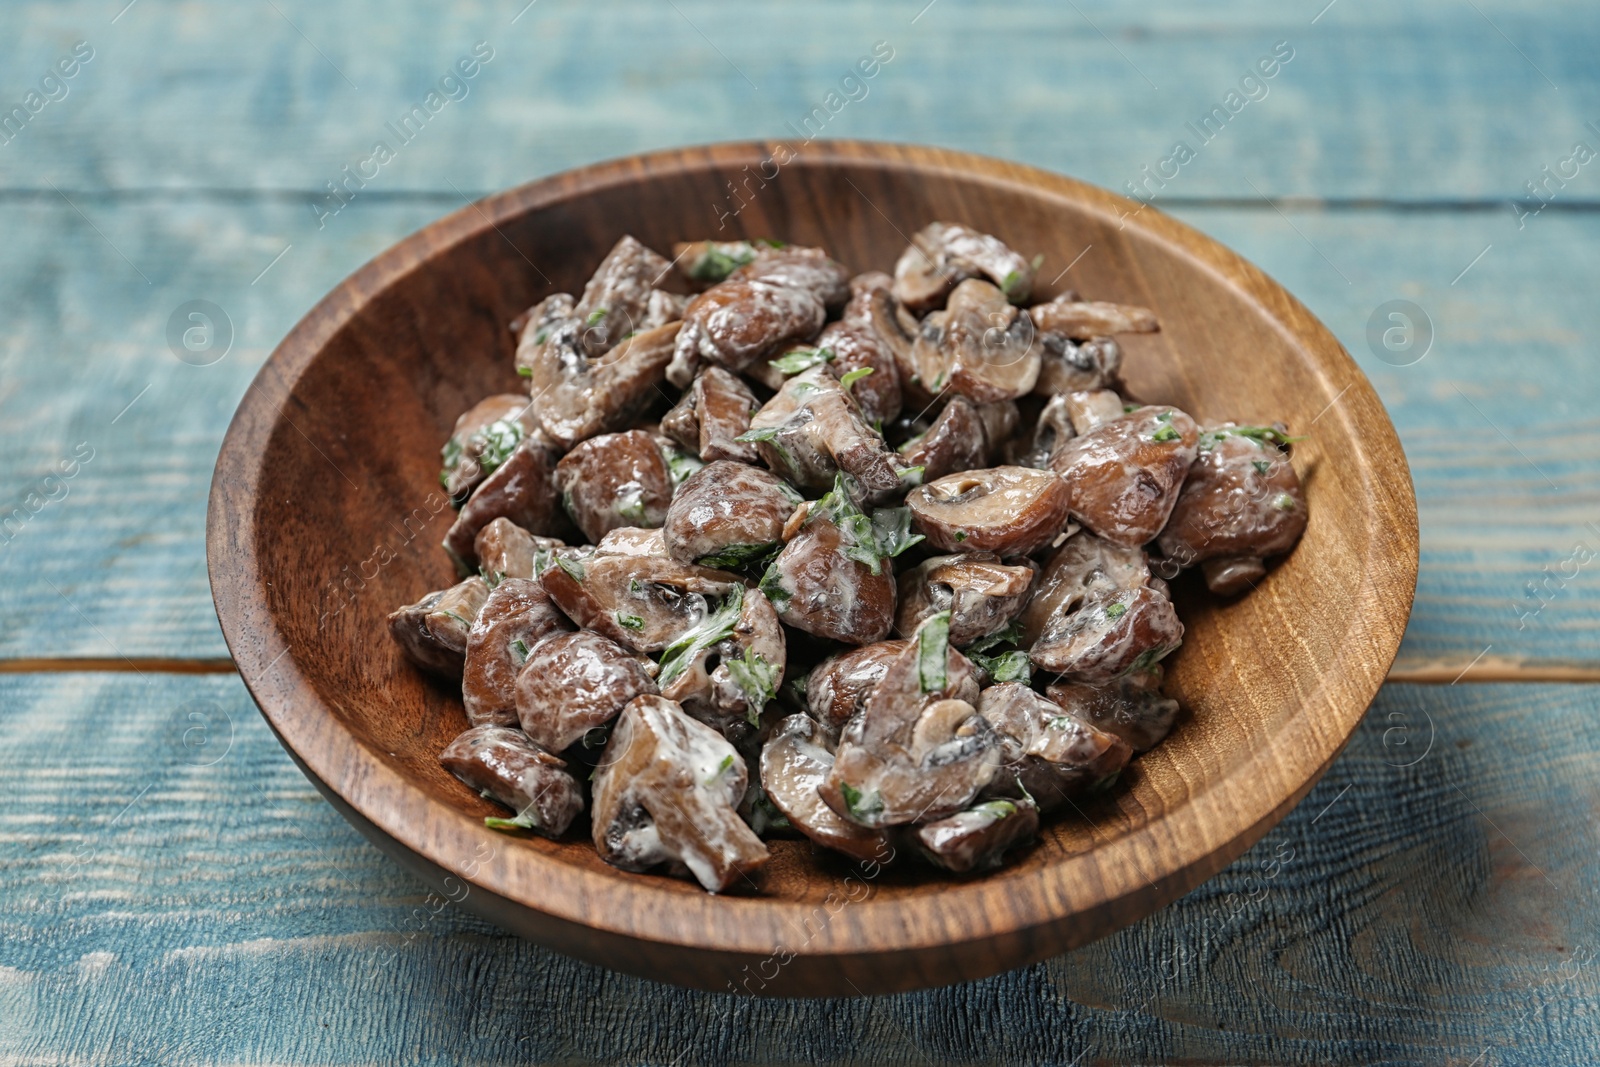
(769, 550)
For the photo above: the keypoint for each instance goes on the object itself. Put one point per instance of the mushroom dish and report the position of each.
(770, 549)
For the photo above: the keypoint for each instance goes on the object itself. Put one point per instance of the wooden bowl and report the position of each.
(325, 514)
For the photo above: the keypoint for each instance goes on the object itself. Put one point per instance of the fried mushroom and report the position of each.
(1131, 707)
(838, 687)
(981, 594)
(728, 515)
(980, 346)
(643, 602)
(1080, 320)
(1070, 366)
(522, 489)
(517, 615)
(573, 683)
(726, 670)
(575, 396)
(712, 414)
(614, 480)
(1047, 752)
(943, 254)
(978, 838)
(617, 300)
(1123, 477)
(433, 632)
(794, 762)
(666, 792)
(812, 429)
(919, 750)
(483, 438)
(506, 550)
(1009, 511)
(501, 763)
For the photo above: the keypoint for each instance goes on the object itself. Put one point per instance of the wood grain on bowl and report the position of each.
(325, 513)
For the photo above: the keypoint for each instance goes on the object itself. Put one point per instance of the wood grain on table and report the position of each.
(1438, 912)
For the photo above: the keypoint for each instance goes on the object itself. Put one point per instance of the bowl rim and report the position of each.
(1076, 897)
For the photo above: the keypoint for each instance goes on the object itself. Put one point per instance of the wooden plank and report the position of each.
(1432, 899)
(125, 546)
(282, 96)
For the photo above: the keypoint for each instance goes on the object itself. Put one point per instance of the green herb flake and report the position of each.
(933, 652)
(631, 622)
(801, 359)
(996, 809)
(540, 338)
(891, 530)
(573, 567)
(734, 557)
(1283, 502)
(757, 679)
(722, 768)
(681, 465)
(1129, 407)
(1262, 466)
(1116, 611)
(595, 316)
(524, 821)
(526, 372)
(863, 806)
(1166, 433)
(765, 433)
(852, 377)
(713, 629)
(1015, 286)
(1013, 666)
(961, 535)
(519, 648)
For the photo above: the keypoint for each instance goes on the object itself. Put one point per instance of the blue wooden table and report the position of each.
(173, 891)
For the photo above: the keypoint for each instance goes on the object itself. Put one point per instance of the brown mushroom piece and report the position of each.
(1051, 432)
(616, 302)
(942, 254)
(1131, 707)
(503, 764)
(483, 438)
(1123, 476)
(1098, 613)
(643, 602)
(633, 541)
(1080, 320)
(781, 295)
(728, 515)
(978, 838)
(919, 750)
(576, 397)
(727, 668)
(517, 615)
(833, 578)
(433, 631)
(536, 324)
(506, 550)
(1010, 511)
(981, 594)
(522, 489)
(794, 762)
(812, 429)
(980, 346)
(614, 480)
(838, 687)
(1068, 366)
(1240, 504)
(958, 440)
(663, 307)
(666, 791)
(1089, 409)
(573, 683)
(709, 262)
(1047, 752)
(859, 352)
(711, 416)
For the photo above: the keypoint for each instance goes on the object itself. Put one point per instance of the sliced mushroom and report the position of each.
(794, 763)
(576, 397)
(616, 302)
(957, 441)
(1089, 409)
(713, 413)
(573, 683)
(981, 594)
(919, 750)
(662, 308)
(1098, 613)
(1050, 433)
(859, 352)
(1240, 504)
(506, 550)
(521, 489)
(838, 687)
(727, 669)
(833, 578)
(1079, 320)
(633, 541)
(536, 324)
(797, 267)
(979, 837)
(1048, 752)
(1123, 476)
(502, 763)
(615, 480)
(643, 602)
(812, 429)
(942, 254)
(728, 515)
(1069, 366)
(482, 440)
(1130, 707)
(980, 346)
(517, 615)
(666, 791)
(1009, 511)
(433, 631)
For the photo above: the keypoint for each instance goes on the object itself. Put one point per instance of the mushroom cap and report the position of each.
(1131, 707)
(573, 683)
(1048, 752)
(1080, 320)
(614, 480)
(517, 615)
(433, 632)
(642, 602)
(980, 346)
(1009, 511)
(818, 588)
(576, 397)
(981, 594)
(1068, 366)
(978, 838)
(731, 512)
(942, 254)
(1124, 475)
(521, 489)
(1242, 498)
(838, 687)
(506, 765)
(794, 763)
